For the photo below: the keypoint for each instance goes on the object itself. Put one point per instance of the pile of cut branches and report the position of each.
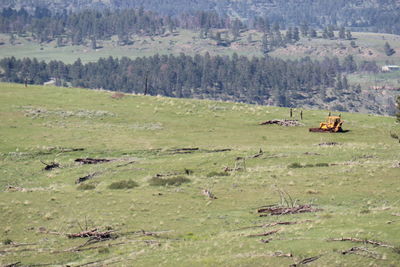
(91, 160)
(94, 233)
(286, 123)
(279, 210)
(287, 206)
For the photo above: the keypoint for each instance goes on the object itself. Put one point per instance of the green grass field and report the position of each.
(355, 182)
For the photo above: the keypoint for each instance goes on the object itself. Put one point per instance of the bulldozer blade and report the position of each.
(318, 130)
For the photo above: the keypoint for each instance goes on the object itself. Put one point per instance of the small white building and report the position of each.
(51, 82)
(389, 68)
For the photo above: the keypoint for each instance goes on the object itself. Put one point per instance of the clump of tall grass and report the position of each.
(295, 165)
(86, 187)
(124, 184)
(176, 181)
(214, 173)
(308, 165)
(322, 164)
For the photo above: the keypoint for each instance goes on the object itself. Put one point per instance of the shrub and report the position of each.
(103, 250)
(86, 187)
(7, 241)
(188, 171)
(212, 174)
(124, 184)
(176, 181)
(323, 164)
(309, 165)
(295, 165)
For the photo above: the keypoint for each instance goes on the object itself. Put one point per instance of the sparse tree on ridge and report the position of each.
(342, 33)
(398, 109)
(388, 49)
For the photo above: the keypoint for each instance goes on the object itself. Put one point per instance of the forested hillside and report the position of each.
(370, 15)
(287, 26)
(271, 81)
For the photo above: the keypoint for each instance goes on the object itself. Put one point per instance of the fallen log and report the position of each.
(208, 194)
(281, 254)
(273, 224)
(264, 234)
(306, 261)
(15, 264)
(126, 164)
(260, 153)
(365, 241)
(11, 188)
(364, 252)
(85, 178)
(92, 233)
(184, 150)
(91, 160)
(218, 150)
(278, 210)
(71, 149)
(329, 144)
(49, 167)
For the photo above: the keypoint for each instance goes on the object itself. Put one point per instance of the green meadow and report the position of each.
(162, 154)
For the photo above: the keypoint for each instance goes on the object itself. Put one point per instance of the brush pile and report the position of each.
(279, 210)
(286, 123)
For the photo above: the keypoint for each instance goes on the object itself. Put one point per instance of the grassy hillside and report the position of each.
(352, 177)
(369, 46)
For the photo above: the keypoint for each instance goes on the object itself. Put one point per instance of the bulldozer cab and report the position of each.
(333, 120)
(332, 124)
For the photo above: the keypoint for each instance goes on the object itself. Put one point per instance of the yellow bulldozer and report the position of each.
(333, 124)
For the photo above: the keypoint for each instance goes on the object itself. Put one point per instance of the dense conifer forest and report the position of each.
(369, 15)
(91, 25)
(256, 80)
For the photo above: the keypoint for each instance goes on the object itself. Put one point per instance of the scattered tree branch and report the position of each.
(264, 234)
(365, 251)
(306, 261)
(279, 210)
(274, 224)
(365, 241)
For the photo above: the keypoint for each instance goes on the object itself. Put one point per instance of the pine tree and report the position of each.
(236, 29)
(348, 35)
(289, 35)
(12, 39)
(349, 64)
(342, 33)
(388, 50)
(93, 43)
(331, 34)
(250, 38)
(265, 44)
(304, 29)
(398, 109)
(313, 33)
(345, 83)
(59, 41)
(339, 83)
(325, 33)
(296, 34)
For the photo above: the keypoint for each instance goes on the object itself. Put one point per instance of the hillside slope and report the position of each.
(351, 177)
(369, 47)
(367, 15)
